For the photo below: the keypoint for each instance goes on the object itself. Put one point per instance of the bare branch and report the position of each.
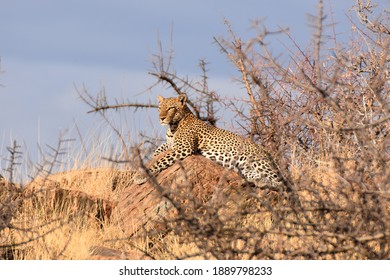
(363, 8)
(125, 105)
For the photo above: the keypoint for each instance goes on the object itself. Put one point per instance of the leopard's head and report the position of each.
(172, 110)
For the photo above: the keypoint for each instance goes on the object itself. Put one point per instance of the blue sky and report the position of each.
(48, 47)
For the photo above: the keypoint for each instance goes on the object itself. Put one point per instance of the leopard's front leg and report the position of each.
(167, 160)
(161, 148)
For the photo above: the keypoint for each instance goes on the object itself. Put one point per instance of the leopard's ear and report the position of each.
(182, 99)
(160, 98)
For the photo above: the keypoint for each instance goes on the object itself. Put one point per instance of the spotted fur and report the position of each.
(188, 135)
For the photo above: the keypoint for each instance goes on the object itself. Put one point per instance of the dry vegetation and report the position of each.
(323, 112)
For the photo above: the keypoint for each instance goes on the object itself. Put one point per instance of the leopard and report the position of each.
(187, 135)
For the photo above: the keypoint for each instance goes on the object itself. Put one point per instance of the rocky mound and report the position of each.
(190, 183)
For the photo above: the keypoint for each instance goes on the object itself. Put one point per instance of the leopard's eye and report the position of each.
(170, 108)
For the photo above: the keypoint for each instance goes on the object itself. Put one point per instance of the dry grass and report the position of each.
(63, 227)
